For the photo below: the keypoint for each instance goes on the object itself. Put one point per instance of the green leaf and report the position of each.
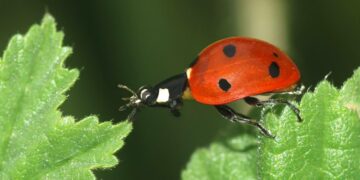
(231, 156)
(36, 142)
(325, 146)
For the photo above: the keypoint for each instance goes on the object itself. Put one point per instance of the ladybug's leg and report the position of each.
(173, 105)
(256, 102)
(233, 116)
(297, 91)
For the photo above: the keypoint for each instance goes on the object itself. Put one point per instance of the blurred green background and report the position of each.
(139, 42)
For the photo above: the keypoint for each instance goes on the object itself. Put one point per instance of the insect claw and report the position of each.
(123, 108)
(126, 99)
(302, 88)
(298, 91)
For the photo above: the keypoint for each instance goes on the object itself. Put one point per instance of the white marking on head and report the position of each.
(188, 73)
(142, 94)
(163, 95)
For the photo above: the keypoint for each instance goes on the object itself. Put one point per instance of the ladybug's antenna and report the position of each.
(134, 101)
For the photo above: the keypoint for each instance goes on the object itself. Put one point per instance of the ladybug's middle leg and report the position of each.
(256, 102)
(230, 114)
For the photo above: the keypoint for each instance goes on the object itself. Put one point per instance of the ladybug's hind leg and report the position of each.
(233, 116)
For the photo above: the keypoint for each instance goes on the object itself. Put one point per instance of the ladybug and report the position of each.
(226, 71)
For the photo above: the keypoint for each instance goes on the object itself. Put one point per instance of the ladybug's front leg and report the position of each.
(230, 114)
(173, 105)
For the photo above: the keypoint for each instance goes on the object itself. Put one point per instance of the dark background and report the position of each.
(139, 42)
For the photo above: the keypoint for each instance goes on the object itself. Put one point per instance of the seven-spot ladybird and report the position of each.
(227, 70)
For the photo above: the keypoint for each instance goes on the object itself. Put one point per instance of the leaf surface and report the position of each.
(36, 142)
(326, 145)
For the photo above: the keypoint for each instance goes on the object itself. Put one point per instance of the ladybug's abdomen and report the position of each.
(235, 68)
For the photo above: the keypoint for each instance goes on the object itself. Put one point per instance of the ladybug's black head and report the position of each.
(147, 95)
(144, 97)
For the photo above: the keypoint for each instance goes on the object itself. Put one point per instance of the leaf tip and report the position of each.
(48, 18)
(126, 125)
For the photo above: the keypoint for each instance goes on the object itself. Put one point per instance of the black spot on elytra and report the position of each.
(274, 70)
(224, 85)
(194, 61)
(229, 50)
(275, 54)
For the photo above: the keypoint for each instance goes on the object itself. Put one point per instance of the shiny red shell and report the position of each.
(249, 67)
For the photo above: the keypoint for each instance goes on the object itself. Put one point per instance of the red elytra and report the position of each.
(245, 66)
